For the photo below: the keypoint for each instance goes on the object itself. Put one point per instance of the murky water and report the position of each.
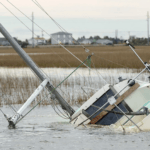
(42, 129)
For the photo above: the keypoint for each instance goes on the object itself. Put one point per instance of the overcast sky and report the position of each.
(79, 17)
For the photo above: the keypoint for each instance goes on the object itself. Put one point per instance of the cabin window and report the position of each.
(64, 36)
(58, 36)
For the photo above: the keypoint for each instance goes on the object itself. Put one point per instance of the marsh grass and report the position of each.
(104, 57)
(16, 90)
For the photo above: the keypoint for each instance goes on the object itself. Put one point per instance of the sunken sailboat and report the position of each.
(126, 103)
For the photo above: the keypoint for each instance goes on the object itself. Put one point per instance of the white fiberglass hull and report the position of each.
(134, 101)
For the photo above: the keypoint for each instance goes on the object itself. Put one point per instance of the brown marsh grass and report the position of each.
(16, 90)
(104, 57)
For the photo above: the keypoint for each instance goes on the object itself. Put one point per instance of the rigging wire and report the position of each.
(112, 62)
(44, 31)
(34, 34)
(29, 29)
(60, 44)
(4, 114)
(57, 24)
(31, 109)
(70, 67)
(16, 17)
(52, 92)
(103, 80)
(46, 96)
(10, 105)
(28, 18)
(34, 22)
(70, 74)
(120, 123)
(54, 105)
(76, 72)
(37, 3)
(99, 73)
(60, 27)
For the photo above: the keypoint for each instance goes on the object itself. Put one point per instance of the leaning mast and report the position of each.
(44, 79)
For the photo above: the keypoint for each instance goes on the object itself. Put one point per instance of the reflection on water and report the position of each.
(43, 129)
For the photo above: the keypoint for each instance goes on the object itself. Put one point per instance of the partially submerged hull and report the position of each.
(132, 99)
(119, 104)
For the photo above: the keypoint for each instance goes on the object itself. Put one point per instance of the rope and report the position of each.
(54, 107)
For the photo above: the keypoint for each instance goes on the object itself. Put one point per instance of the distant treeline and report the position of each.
(134, 40)
(139, 41)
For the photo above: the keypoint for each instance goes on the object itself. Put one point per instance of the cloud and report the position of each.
(104, 9)
(79, 17)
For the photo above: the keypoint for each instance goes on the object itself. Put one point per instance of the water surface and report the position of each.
(42, 129)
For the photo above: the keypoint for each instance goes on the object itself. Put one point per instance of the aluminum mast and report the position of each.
(36, 70)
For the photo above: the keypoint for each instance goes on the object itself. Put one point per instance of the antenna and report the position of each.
(147, 66)
(42, 34)
(32, 30)
(116, 32)
(148, 28)
(129, 35)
